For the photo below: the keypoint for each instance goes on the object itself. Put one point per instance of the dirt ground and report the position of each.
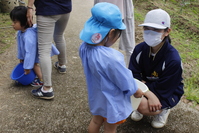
(20, 112)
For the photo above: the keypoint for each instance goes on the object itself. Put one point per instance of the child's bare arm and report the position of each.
(138, 93)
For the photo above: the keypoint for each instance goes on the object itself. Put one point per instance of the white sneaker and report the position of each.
(160, 120)
(136, 116)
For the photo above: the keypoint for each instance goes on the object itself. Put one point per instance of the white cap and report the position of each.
(158, 19)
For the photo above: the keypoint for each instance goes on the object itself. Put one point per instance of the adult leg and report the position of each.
(95, 124)
(45, 26)
(127, 39)
(59, 39)
(160, 116)
(96, 1)
(144, 108)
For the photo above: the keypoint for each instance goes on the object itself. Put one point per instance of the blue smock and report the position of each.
(110, 84)
(27, 47)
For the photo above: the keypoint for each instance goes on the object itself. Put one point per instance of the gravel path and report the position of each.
(68, 112)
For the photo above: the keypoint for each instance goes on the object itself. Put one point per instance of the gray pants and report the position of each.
(51, 28)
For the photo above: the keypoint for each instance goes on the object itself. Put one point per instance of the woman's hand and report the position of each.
(29, 13)
(153, 101)
(29, 16)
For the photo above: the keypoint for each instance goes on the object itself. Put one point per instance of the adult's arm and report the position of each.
(29, 14)
(153, 102)
(134, 64)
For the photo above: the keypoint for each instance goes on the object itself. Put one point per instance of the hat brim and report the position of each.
(156, 26)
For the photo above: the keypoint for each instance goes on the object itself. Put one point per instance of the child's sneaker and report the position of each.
(136, 116)
(37, 83)
(61, 69)
(160, 120)
(44, 95)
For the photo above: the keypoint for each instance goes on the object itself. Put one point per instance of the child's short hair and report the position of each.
(19, 14)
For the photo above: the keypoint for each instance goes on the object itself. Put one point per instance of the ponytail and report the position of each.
(167, 37)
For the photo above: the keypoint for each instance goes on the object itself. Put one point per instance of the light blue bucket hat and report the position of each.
(105, 16)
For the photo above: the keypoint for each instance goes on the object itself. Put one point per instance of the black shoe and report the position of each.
(61, 69)
(38, 93)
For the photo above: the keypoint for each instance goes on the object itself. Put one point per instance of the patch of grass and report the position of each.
(184, 35)
(192, 85)
(7, 33)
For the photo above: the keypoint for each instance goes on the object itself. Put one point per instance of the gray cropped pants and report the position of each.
(51, 28)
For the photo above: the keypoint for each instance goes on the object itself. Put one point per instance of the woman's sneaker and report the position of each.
(61, 69)
(37, 83)
(136, 116)
(44, 95)
(160, 120)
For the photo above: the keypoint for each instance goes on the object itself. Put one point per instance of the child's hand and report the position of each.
(138, 93)
(27, 71)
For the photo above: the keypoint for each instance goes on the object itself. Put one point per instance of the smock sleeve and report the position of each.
(134, 64)
(19, 43)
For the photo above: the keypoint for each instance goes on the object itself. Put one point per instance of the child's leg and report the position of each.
(37, 71)
(110, 128)
(95, 124)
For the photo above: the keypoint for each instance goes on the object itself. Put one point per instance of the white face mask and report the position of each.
(152, 38)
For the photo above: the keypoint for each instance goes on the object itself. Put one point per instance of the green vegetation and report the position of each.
(184, 35)
(7, 33)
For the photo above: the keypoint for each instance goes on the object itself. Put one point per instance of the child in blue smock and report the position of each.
(110, 84)
(27, 46)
